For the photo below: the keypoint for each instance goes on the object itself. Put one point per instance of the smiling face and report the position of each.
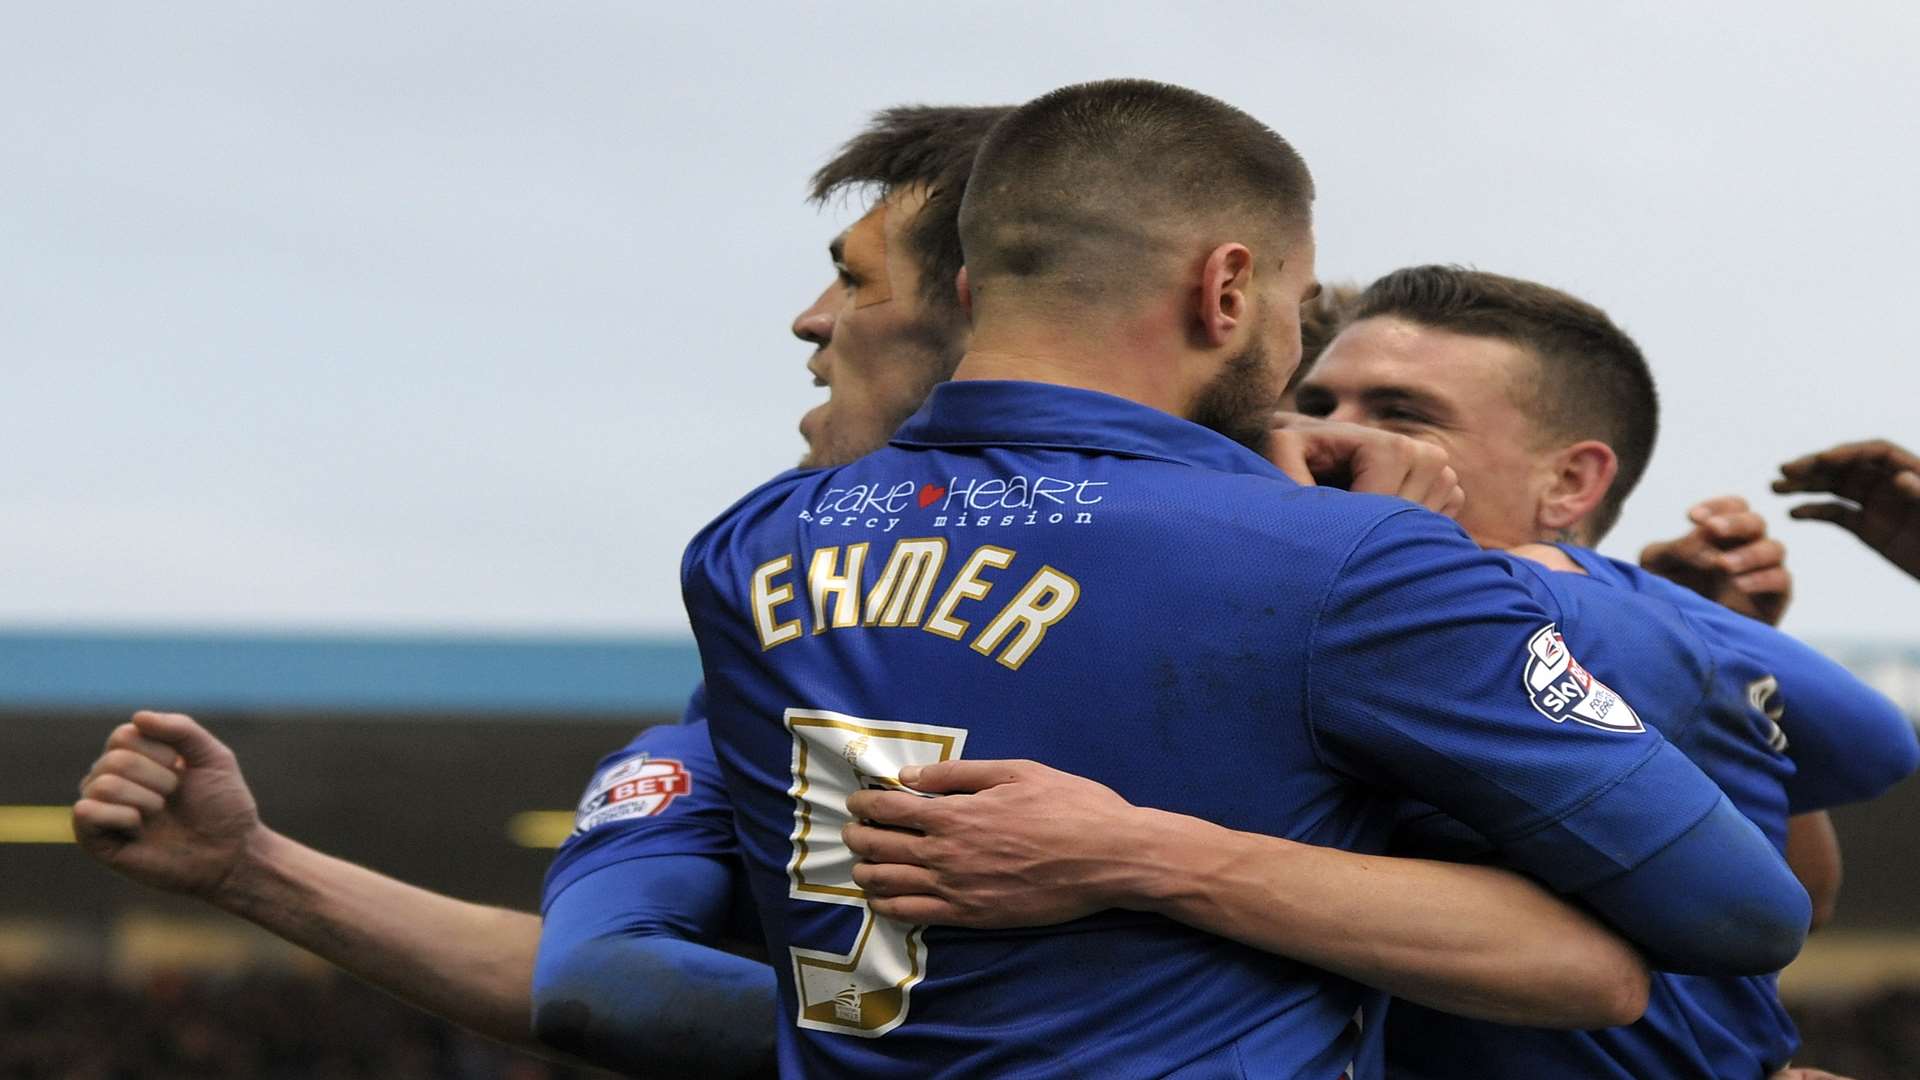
(1465, 393)
(879, 347)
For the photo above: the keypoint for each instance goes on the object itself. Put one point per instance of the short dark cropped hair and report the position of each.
(1082, 186)
(1321, 320)
(1592, 381)
(926, 145)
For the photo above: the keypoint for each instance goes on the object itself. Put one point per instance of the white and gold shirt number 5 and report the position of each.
(863, 992)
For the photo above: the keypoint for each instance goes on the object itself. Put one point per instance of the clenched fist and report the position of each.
(165, 804)
(1353, 457)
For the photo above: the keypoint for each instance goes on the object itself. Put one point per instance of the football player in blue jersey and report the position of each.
(1473, 361)
(1390, 660)
(1432, 950)
(1548, 408)
(167, 804)
(1483, 365)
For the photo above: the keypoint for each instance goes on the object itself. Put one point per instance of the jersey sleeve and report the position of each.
(1433, 674)
(1848, 742)
(661, 794)
(624, 977)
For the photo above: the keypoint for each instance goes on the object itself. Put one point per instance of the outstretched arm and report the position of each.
(167, 806)
(1037, 846)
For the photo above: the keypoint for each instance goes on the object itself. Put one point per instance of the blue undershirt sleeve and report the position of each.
(1741, 916)
(622, 980)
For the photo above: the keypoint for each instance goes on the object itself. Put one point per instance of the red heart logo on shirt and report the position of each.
(928, 493)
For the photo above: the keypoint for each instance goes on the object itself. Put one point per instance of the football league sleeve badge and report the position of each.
(1561, 690)
(639, 786)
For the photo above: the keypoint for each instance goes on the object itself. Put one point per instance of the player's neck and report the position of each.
(1531, 542)
(1121, 368)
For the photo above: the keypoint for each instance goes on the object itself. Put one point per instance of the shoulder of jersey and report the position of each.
(1623, 574)
(1542, 581)
(1281, 497)
(747, 510)
(648, 775)
(1696, 607)
(771, 493)
(1606, 587)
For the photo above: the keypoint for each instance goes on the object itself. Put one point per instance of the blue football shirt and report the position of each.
(1701, 694)
(1847, 741)
(661, 794)
(1036, 571)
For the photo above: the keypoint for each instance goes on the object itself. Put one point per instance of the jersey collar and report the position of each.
(991, 412)
(1590, 560)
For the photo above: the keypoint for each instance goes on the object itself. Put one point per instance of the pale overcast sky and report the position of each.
(466, 316)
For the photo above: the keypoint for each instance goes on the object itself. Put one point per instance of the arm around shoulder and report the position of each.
(1476, 941)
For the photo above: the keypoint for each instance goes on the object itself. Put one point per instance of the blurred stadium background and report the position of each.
(452, 762)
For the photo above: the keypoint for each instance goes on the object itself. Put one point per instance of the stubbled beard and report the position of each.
(1239, 402)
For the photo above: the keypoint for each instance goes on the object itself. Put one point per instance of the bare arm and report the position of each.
(1813, 854)
(470, 963)
(1037, 846)
(167, 806)
(1471, 940)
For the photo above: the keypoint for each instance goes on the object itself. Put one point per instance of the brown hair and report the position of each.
(1321, 320)
(1592, 381)
(928, 145)
(1080, 188)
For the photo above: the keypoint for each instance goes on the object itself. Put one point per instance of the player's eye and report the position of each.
(1313, 403)
(847, 280)
(1403, 416)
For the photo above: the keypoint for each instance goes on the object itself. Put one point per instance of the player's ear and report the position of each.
(1582, 475)
(1226, 293)
(965, 293)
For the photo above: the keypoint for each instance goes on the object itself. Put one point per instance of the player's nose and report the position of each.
(1349, 412)
(815, 325)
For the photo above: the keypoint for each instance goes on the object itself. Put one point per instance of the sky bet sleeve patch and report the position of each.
(1562, 690)
(633, 787)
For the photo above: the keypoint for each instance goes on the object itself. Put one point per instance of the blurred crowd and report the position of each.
(278, 1026)
(302, 1027)
(1871, 1035)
